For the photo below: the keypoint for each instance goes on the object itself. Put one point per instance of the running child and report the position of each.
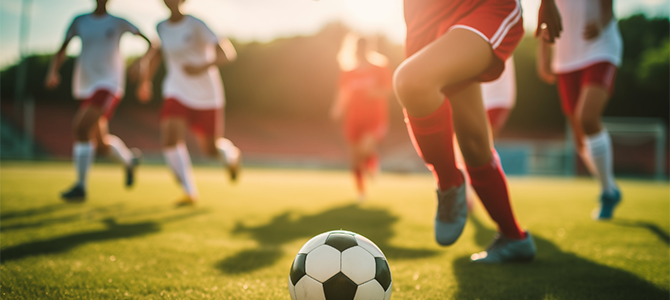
(99, 80)
(584, 65)
(362, 99)
(193, 93)
(452, 46)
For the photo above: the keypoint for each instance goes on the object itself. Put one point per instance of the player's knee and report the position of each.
(591, 125)
(408, 84)
(81, 133)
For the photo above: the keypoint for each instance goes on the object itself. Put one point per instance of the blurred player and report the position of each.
(452, 46)
(99, 82)
(193, 93)
(362, 99)
(585, 62)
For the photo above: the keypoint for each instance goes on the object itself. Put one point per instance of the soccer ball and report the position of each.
(340, 265)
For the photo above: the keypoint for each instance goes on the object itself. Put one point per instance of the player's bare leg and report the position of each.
(361, 153)
(225, 151)
(173, 132)
(113, 147)
(83, 150)
(592, 102)
(422, 82)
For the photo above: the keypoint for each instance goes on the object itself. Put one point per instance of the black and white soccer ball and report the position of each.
(340, 265)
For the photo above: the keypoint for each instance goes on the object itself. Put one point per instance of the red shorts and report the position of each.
(208, 122)
(498, 22)
(355, 130)
(498, 117)
(570, 84)
(103, 100)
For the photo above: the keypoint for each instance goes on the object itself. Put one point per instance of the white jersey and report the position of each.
(572, 51)
(190, 42)
(501, 93)
(100, 65)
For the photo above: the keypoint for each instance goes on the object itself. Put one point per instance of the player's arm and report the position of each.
(593, 28)
(153, 59)
(53, 77)
(339, 103)
(225, 54)
(543, 57)
(550, 19)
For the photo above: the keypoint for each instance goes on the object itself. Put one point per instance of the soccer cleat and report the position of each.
(130, 170)
(235, 165)
(504, 250)
(186, 201)
(607, 204)
(452, 212)
(76, 194)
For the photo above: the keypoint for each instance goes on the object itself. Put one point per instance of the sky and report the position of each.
(243, 20)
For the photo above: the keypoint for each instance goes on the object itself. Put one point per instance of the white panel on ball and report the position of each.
(370, 290)
(309, 289)
(369, 245)
(322, 263)
(314, 242)
(387, 295)
(291, 289)
(358, 264)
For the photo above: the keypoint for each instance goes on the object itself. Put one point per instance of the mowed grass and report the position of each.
(240, 241)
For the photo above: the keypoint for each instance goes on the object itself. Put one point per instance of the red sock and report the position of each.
(432, 137)
(372, 163)
(491, 187)
(358, 174)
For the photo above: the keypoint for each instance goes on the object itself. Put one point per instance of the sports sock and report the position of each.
(228, 153)
(600, 146)
(82, 154)
(491, 187)
(180, 163)
(432, 137)
(119, 151)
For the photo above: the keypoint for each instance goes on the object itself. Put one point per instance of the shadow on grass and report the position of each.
(33, 211)
(112, 231)
(373, 223)
(88, 214)
(553, 274)
(653, 228)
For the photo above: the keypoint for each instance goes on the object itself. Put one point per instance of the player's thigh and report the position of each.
(173, 131)
(593, 99)
(86, 118)
(471, 124)
(455, 58)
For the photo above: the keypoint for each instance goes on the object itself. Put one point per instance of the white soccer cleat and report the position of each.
(452, 212)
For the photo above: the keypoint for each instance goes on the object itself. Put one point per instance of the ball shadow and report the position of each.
(373, 223)
(554, 274)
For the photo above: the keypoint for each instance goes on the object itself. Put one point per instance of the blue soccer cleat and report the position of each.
(504, 250)
(608, 201)
(76, 194)
(452, 212)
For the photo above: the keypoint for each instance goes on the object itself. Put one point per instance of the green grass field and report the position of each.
(240, 242)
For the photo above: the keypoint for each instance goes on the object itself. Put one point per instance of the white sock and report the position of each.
(228, 153)
(180, 163)
(119, 151)
(82, 155)
(600, 146)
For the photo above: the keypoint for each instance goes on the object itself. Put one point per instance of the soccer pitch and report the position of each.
(240, 241)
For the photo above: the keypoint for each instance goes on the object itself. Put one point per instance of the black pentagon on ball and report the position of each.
(383, 273)
(339, 287)
(341, 241)
(298, 268)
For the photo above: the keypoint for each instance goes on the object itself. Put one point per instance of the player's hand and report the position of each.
(592, 30)
(145, 91)
(195, 70)
(550, 19)
(52, 81)
(547, 76)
